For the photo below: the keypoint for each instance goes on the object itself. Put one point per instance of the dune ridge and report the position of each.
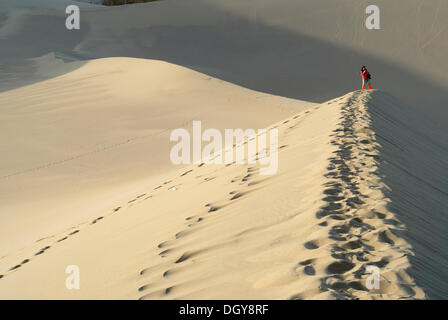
(362, 226)
(91, 137)
(308, 232)
(303, 49)
(85, 177)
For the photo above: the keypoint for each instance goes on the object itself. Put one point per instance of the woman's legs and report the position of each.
(366, 82)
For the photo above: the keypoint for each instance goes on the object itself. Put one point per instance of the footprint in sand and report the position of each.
(309, 271)
(182, 234)
(15, 267)
(96, 220)
(184, 257)
(143, 288)
(164, 244)
(213, 209)
(186, 172)
(167, 273)
(311, 245)
(164, 253)
(194, 223)
(339, 267)
(296, 297)
(42, 250)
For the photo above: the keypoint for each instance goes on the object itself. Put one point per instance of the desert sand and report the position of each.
(86, 179)
(105, 127)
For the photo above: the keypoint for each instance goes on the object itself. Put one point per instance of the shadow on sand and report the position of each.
(415, 167)
(226, 46)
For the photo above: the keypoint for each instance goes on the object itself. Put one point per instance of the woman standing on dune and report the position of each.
(366, 78)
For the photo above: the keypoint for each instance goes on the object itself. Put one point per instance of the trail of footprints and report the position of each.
(59, 238)
(340, 215)
(172, 250)
(348, 214)
(74, 230)
(168, 247)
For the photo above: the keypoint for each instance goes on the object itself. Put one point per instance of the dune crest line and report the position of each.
(332, 223)
(357, 217)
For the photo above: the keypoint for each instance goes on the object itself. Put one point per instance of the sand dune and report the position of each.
(306, 49)
(414, 156)
(90, 137)
(308, 232)
(86, 180)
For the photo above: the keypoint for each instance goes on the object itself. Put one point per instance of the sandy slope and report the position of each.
(85, 177)
(414, 164)
(227, 232)
(304, 49)
(82, 142)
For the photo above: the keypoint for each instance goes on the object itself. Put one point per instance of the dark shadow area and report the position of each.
(269, 59)
(3, 18)
(16, 68)
(232, 48)
(415, 166)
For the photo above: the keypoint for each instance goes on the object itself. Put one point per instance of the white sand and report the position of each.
(316, 224)
(85, 176)
(90, 137)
